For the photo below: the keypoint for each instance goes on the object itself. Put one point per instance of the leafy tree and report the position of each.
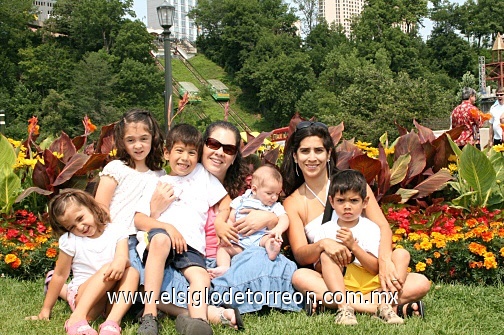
(133, 42)
(309, 9)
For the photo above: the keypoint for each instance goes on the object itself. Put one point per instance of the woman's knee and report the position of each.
(401, 256)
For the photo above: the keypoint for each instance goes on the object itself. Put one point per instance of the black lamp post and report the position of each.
(165, 13)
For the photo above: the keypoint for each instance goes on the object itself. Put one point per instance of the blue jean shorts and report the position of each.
(191, 257)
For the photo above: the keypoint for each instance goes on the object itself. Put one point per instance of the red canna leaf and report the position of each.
(95, 161)
(63, 145)
(424, 133)
(77, 162)
(254, 144)
(368, 166)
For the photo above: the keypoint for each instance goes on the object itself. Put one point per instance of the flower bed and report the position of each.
(449, 244)
(27, 250)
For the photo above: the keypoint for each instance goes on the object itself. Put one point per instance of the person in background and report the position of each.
(497, 112)
(466, 115)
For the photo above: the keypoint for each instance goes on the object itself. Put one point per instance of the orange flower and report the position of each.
(437, 254)
(89, 127)
(487, 236)
(476, 248)
(502, 251)
(51, 252)
(428, 261)
(33, 128)
(471, 223)
(16, 264)
(489, 261)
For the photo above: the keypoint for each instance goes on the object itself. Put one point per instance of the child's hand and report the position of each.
(115, 270)
(43, 315)
(178, 242)
(345, 236)
(277, 235)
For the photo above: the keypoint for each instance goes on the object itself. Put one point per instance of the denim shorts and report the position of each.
(191, 257)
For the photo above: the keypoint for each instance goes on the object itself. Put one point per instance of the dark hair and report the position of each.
(234, 181)
(348, 180)
(59, 204)
(291, 180)
(154, 160)
(187, 134)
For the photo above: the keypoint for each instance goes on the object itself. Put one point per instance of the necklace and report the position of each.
(315, 195)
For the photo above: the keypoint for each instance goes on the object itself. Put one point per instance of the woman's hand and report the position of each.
(254, 221)
(162, 198)
(337, 251)
(389, 278)
(226, 233)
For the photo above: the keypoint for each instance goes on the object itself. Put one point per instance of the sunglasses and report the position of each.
(500, 95)
(306, 124)
(228, 149)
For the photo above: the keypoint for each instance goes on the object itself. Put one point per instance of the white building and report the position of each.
(340, 12)
(183, 27)
(45, 9)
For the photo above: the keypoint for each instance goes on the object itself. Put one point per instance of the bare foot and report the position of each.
(217, 272)
(273, 248)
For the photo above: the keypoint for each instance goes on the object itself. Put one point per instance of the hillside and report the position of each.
(208, 106)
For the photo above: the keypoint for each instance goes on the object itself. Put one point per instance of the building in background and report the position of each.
(340, 12)
(183, 27)
(45, 9)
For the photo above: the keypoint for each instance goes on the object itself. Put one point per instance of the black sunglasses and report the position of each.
(213, 144)
(500, 94)
(306, 124)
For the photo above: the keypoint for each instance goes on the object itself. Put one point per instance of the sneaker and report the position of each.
(387, 315)
(148, 325)
(346, 316)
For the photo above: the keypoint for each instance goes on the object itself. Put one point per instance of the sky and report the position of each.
(140, 8)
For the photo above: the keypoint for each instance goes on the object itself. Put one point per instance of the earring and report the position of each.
(328, 168)
(297, 172)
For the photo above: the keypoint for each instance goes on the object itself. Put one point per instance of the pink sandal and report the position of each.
(80, 328)
(110, 328)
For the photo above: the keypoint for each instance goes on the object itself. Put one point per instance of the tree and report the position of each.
(309, 8)
(133, 42)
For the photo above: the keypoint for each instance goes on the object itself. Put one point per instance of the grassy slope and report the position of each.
(451, 310)
(210, 70)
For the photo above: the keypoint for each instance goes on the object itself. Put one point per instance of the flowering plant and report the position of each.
(27, 250)
(450, 244)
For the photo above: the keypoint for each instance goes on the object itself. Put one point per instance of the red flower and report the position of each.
(23, 239)
(11, 233)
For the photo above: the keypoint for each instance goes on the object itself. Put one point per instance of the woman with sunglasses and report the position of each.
(248, 272)
(309, 158)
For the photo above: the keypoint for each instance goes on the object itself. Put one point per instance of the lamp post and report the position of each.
(165, 13)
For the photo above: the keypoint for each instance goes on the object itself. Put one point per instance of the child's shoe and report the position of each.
(109, 327)
(346, 316)
(148, 325)
(387, 315)
(81, 327)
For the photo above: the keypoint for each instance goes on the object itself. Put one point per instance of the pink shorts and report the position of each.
(72, 296)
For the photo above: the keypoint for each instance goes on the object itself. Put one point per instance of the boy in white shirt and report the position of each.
(348, 197)
(178, 237)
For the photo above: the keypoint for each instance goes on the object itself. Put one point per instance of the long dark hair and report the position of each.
(291, 180)
(154, 160)
(234, 181)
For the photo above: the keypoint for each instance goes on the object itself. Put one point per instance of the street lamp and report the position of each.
(165, 13)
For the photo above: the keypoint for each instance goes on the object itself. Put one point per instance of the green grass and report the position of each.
(208, 106)
(450, 310)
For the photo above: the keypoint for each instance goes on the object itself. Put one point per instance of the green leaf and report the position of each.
(10, 185)
(399, 169)
(8, 156)
(475, 168)
(406, 194)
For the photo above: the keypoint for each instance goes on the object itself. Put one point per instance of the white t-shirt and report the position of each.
(130, 185)
(196, 192)
(496, 111)
(366, 232)
(90, 254)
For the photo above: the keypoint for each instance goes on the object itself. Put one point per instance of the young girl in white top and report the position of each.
(139, 143)
(97, 254)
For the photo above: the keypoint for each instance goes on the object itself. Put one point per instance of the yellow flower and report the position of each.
(477, 249)
(396, 238)
(57, 154)
(489, 261)
(398, 246)
(413, 237)
(113, 153)
(14, 143)
(408, 269)
(425, 245)
(428, 261)
(362, 145)
(372, 152)
(453, 168)
(420, 266)
(498, 148)
(41, 239)
(10, 258)
(400, 231)
(437, 254)
(417, 246)
(439, 243)
(502, 251)
(389, 151)
(452, 158)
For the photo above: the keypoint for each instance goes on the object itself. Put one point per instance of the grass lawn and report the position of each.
(450, 309)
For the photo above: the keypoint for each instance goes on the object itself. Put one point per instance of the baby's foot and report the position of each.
(218, 271)
(273, 248)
